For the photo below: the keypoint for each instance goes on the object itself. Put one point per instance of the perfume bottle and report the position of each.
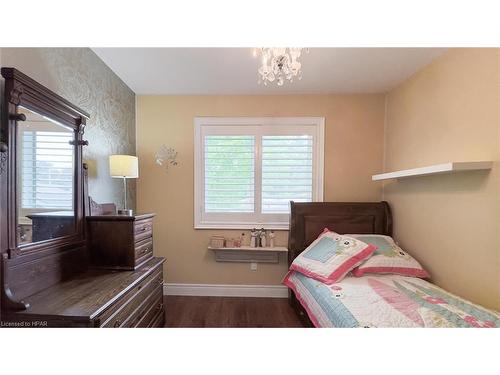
(262, 237)
(271, 238)
(253, 238)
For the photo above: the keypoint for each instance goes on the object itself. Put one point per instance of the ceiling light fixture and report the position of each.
(280, 64)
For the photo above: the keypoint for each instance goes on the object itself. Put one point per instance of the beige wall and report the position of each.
(449, 111)
(353, 152)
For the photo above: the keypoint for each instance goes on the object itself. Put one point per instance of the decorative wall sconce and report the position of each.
(166, 156)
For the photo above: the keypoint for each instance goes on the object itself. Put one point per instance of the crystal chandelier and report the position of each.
(279, 64)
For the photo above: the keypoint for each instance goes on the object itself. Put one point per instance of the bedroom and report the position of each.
(179, 185)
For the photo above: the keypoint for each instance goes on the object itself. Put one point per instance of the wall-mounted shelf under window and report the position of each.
(248, 254)
(450, 167)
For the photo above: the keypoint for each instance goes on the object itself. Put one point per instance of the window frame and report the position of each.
(260, 126)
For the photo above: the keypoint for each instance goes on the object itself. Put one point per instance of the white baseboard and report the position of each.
(221, 290)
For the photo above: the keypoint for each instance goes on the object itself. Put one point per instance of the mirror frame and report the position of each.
(21, 90)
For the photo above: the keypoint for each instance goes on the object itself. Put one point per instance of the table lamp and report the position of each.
(124, 166)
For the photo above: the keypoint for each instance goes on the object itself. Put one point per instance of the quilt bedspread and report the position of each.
(385, 301)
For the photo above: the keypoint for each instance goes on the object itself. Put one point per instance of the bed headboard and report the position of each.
(307, 221)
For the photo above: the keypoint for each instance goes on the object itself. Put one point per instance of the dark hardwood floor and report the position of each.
(196, 312)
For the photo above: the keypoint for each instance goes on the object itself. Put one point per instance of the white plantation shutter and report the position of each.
(247, 170)
(47, 168)
(287, 171)
(229, 173)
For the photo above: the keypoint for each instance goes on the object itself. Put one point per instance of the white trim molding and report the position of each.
(225, 290)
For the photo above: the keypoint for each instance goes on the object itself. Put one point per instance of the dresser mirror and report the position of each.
(45, 178)
(42, 172)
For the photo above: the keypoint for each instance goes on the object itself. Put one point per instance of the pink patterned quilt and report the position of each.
(386, 301)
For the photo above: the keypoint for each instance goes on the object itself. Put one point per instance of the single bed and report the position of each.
(383, 300)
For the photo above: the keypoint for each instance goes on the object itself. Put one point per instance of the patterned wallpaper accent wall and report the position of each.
(78, 75)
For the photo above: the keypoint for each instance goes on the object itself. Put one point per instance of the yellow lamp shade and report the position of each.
(123, 166)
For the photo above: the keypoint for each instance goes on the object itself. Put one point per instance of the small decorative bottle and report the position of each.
(253, 237)
(237, 242)
(271, 238)
(262, 237)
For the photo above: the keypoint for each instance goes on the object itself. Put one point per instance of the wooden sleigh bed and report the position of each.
(307, 221)
(384, 297)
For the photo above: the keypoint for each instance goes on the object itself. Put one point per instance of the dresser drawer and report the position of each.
(143, 307)
(143, 248)
(146, 317)
(159, 320)
(119, 314)
(143, 229)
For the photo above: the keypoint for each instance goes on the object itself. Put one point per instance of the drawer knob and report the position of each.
(144, 228)
(117, 323)
(160, 306)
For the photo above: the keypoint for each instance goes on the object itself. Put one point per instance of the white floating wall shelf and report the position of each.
(450, 167)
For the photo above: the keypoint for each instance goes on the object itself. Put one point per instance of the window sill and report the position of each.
(270, 226)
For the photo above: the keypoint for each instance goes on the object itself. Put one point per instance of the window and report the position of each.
(47, 170)
(247, 170)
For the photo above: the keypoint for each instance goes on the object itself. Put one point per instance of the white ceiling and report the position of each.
(192, 71)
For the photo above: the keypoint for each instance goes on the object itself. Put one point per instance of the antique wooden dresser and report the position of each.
(59, 276)
(97, 298)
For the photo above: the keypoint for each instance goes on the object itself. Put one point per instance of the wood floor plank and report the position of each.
(227, 312)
